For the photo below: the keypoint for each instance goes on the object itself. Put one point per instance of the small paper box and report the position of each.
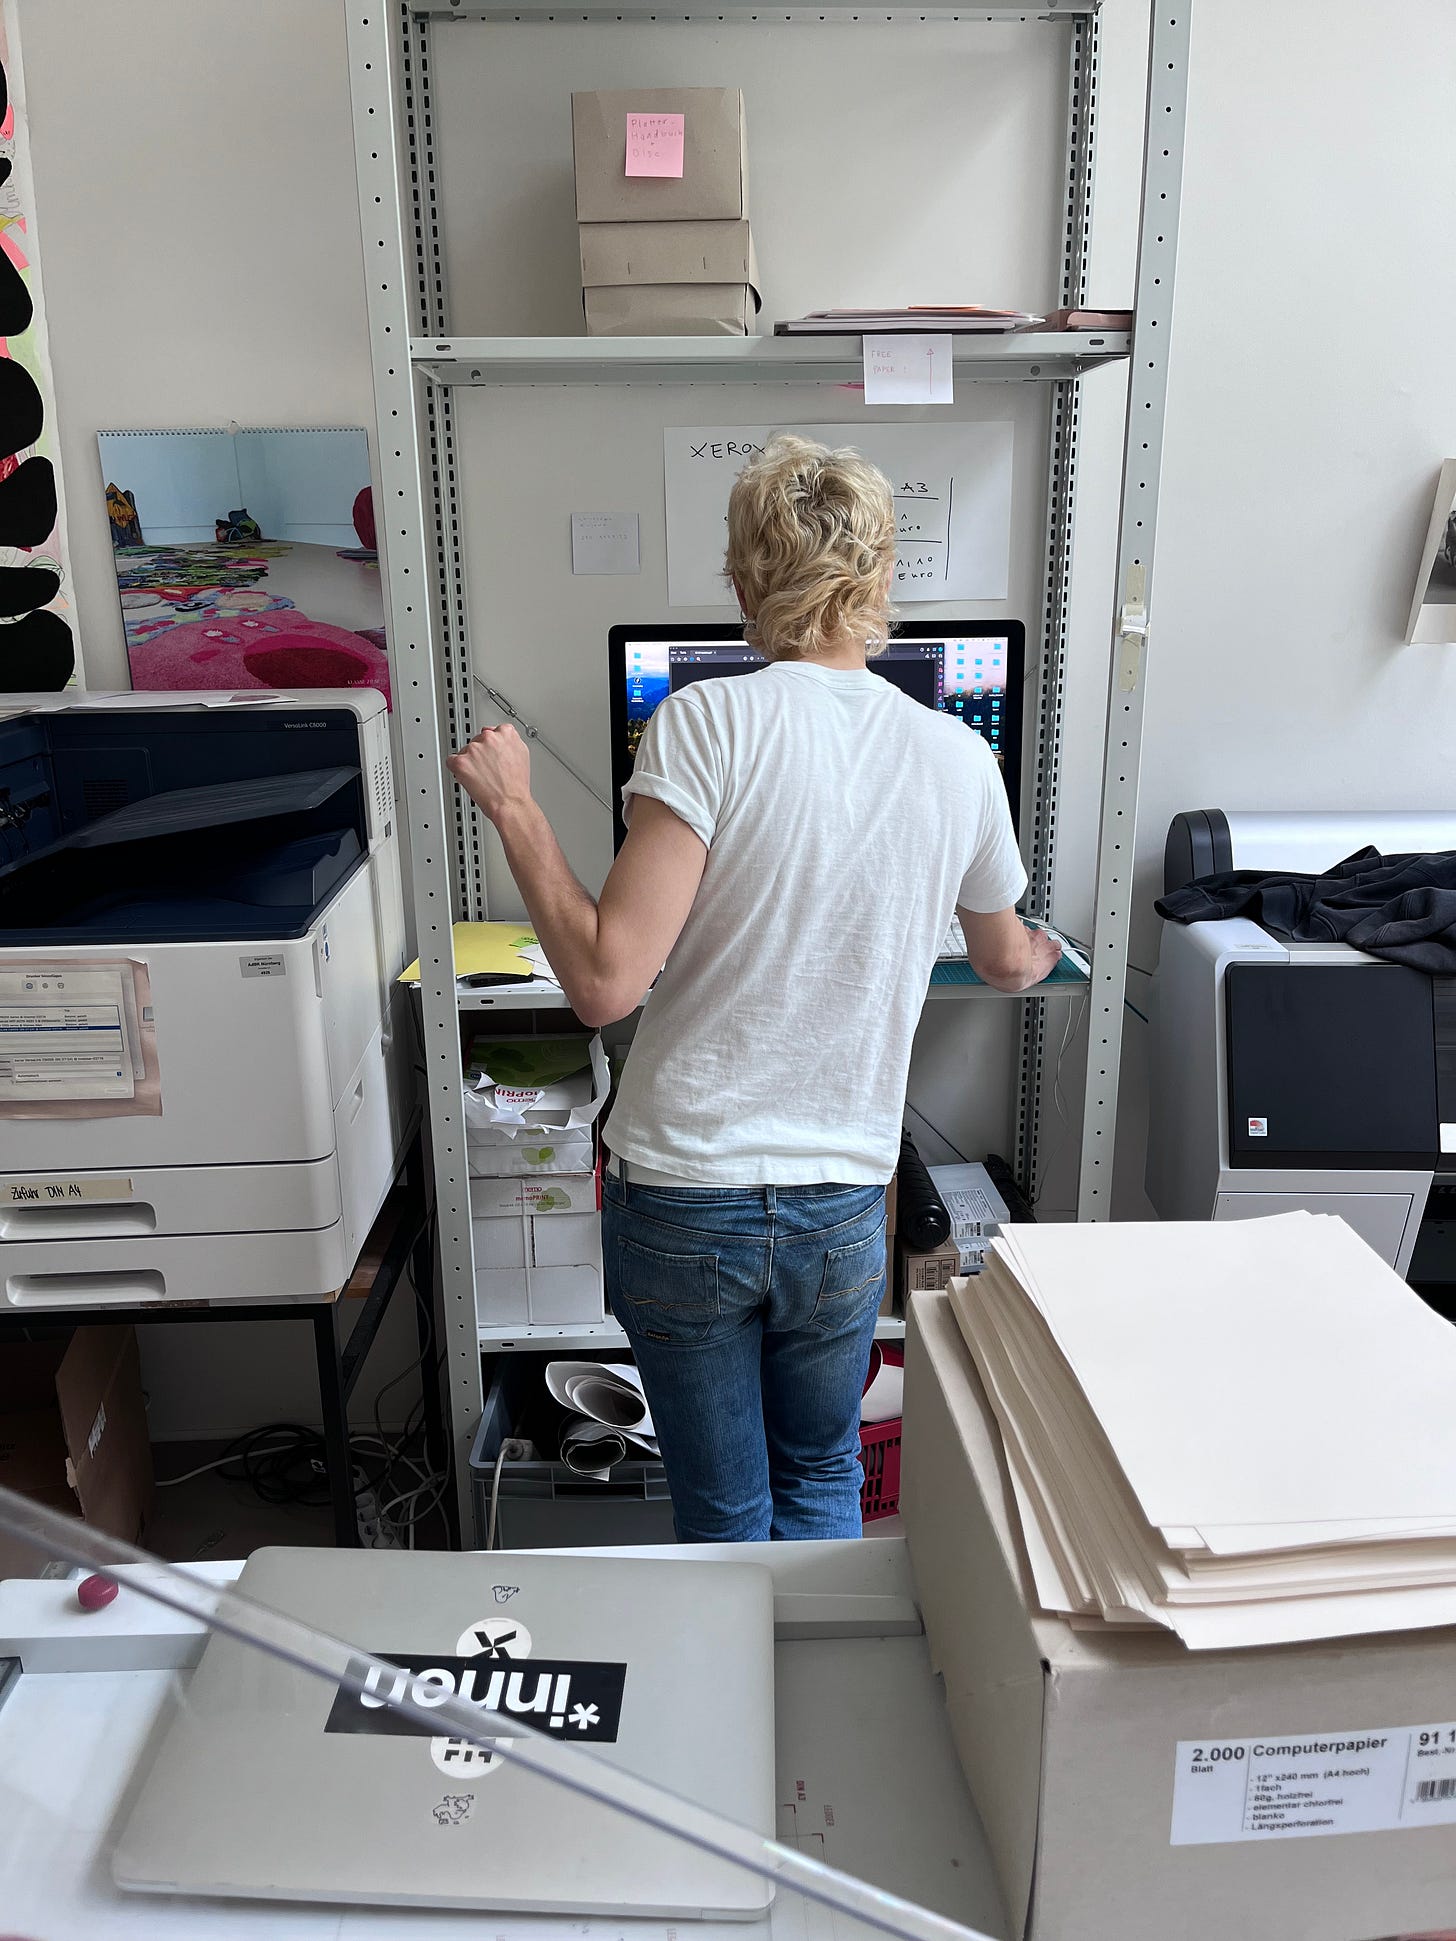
(713, 185)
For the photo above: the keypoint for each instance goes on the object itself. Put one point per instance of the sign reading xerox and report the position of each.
(577, 1698)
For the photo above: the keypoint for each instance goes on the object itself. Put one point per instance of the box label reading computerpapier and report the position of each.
(1297, 1785)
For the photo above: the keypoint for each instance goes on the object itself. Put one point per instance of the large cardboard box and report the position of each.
(73, 1435)
(713, 186)
(680, 279)
(1069, 1737)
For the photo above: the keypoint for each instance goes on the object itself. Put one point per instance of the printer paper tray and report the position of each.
(158, 1270)
(112, 1203)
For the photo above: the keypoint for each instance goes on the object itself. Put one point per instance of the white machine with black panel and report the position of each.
(1290, 1075)
(203, 1092)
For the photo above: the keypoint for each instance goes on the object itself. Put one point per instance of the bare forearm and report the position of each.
(1005, 953)
(562, 914)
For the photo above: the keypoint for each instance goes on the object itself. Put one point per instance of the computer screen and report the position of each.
(970, 669)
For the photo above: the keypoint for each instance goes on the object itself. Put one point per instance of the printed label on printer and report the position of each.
(260, 966)
(1298, 1785)
(61, 1192)
(1258, 1128)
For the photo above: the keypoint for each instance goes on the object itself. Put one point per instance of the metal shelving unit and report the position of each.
(417, 368)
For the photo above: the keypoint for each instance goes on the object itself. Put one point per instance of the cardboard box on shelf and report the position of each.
(919, 1273)
(491, 1154)
(547, 1195)
(73, 1435)
(677, 279)
(713, 186)
(538, 1267)
(671, 310)
(1080, 1744)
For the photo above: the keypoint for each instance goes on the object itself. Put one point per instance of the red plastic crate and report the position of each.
(879, 1452)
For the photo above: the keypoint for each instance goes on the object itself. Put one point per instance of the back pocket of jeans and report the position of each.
(849, 1275)
(671, 1297)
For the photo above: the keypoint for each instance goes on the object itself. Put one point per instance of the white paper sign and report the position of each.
(605, 542)
(952, 486)
(911, 368)
(1293, 1786)
(63, 1035)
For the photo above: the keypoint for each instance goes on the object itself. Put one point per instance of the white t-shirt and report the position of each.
(844, 823)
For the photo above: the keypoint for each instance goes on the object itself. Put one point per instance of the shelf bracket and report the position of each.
(1132, 628)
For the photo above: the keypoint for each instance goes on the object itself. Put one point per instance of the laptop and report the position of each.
(271, 1783)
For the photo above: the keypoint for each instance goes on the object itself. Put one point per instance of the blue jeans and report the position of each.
(751, 1312)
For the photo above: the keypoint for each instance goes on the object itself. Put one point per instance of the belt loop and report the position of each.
(770, 1200)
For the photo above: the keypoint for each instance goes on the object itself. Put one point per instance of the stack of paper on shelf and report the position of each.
(1243, 1431)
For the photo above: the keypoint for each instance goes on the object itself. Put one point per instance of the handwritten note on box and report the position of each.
(655, 145)
(605, 542)
(911, 369)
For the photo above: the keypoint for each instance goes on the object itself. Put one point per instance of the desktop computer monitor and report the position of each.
(972, 669)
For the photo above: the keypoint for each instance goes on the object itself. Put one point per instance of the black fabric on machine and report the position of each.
(1402, 908)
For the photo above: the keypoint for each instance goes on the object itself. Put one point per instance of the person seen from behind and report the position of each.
(798, 838)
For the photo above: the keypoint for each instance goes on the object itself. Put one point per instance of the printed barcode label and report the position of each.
(1365, 1779)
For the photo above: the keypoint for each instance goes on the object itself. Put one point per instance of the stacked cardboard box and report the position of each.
(534, 1192)
(665, 255)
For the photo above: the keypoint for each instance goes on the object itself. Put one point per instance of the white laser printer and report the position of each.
(201, 1092)
(1310, 1075)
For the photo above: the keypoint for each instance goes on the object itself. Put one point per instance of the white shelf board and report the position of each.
(732, 12)
(511, 997)
(1030, 356)
(586, 1337)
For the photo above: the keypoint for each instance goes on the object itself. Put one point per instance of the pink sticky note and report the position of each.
(654, 145)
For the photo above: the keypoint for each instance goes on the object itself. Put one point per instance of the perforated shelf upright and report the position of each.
(418, 366)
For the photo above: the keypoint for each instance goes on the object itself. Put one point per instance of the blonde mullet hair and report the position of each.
(811, 546)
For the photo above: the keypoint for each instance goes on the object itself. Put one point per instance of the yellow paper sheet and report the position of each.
(485, 947)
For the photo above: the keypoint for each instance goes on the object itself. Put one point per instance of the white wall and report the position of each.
(1311, 402)
(1310, 399)
(194, 171)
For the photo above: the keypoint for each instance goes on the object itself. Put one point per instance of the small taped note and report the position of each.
(1296, 1785)
(606, 542)
(655, 145)
(913, 368)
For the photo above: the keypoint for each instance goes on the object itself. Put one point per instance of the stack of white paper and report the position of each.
(1243, 1431)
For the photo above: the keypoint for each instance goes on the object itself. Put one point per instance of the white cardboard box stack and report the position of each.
(665, 255)
(534, 1192)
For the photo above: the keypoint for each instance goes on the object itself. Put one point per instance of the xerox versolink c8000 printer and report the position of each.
(200, 927)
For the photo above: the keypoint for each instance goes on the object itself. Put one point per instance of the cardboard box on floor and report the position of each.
(1068, 1736)
(679, 279)
(73, 1435)
(713, 186)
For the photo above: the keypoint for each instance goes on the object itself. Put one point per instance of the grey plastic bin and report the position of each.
(545, 1505)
